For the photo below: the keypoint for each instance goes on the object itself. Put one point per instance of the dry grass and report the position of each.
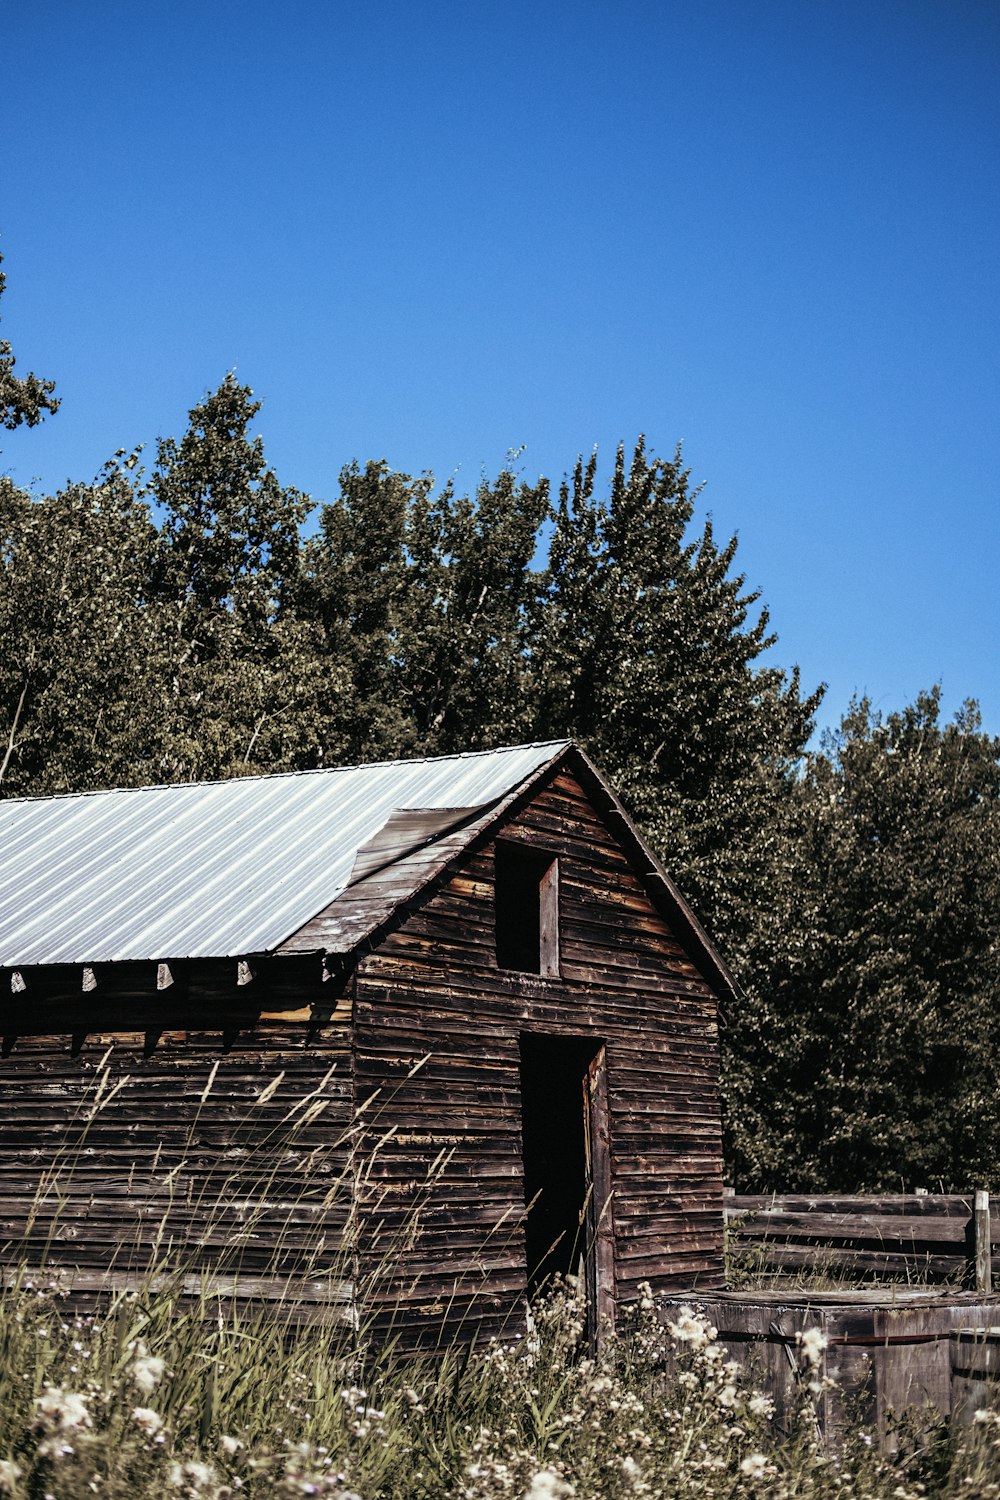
(170, 1389)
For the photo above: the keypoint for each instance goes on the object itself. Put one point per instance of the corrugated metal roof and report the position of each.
(212, 869)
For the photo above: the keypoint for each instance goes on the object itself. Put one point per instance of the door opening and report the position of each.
(567, 1171)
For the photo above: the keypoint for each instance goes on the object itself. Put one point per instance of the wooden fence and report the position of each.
(913, 1237)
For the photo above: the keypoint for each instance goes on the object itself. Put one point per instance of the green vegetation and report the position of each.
(159, 1396)
(179, 624)
(168, 1386)
(870, 1053)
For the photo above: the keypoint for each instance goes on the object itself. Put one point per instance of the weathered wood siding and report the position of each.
(433, 989)
(120, 1146)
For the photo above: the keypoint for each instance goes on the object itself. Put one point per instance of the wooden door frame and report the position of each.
(600, 1247)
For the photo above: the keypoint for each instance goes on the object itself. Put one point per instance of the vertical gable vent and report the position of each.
(527, 909)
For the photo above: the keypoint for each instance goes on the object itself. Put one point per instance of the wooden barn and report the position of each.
(448, 1018)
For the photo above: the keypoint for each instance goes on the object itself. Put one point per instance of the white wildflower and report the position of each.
(61, 1411)
(812, 1343)
(754, 1465)
(146, 1370)
(10, 1473)
(229, 1444)
(761, 1406)
(191, 1477)
(147, 1420)
(632, 1474)
(548, 1485)
(692, 1328)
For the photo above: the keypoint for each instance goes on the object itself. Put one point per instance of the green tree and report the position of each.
(21, 400)
(866, 1054)
(467, 621)
(427, 597)
(647, 650)
(246, 682)
(230, 531)
(80, 702)
(356, 573)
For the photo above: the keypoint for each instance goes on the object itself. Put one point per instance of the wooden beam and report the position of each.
(548, 921)
(984, 1264)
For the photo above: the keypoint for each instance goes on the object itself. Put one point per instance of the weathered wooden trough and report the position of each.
(431, 1018)
(886, 1349)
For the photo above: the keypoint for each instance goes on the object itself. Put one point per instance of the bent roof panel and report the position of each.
(217, 869)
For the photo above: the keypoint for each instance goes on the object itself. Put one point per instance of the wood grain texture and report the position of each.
(885, 1351)
(432, 998)
(142, 1127)
(915, 1236)
(403, 1061)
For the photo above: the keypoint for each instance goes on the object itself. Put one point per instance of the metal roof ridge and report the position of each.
(364, 765)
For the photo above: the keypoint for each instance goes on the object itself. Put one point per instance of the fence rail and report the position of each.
(923, 1237)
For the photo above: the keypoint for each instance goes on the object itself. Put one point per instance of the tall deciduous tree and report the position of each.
(80, 679)
(244, 675)
(428, 598)
(467, 618)
(867, 1054)
(230, 530)
(648, 650)
(356, 574)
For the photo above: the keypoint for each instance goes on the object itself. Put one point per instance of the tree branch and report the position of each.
(12, 737)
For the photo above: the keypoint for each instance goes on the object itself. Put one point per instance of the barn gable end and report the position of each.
(627, 987)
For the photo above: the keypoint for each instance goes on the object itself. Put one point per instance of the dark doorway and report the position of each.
(566, 1164)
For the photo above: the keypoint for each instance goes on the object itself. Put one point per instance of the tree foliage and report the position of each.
(81, 668)
(866, 1053)
(427, 598)
(648, 652)
(22, 399)
(243, 682)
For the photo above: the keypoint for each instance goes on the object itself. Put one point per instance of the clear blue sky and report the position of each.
(431, 232)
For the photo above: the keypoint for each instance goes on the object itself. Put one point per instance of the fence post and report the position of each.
(984, 1248)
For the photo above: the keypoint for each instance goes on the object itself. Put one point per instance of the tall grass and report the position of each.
(170, 1387)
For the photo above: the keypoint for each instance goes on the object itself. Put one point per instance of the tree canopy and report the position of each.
(867, 1054)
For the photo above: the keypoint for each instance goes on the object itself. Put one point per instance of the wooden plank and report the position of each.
(981, 1222)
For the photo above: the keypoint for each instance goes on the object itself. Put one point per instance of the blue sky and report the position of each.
(434, 232)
